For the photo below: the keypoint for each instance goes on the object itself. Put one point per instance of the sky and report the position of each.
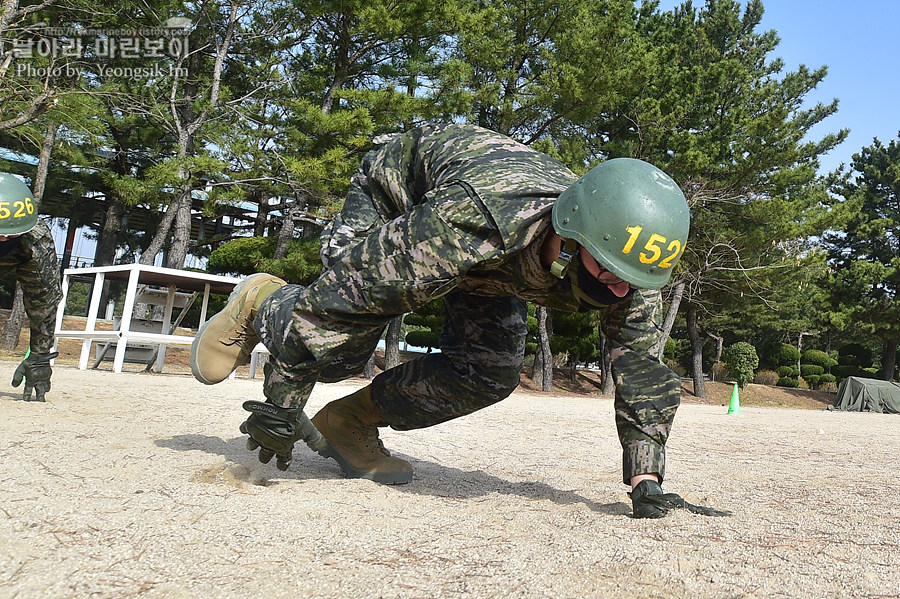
(859, 42)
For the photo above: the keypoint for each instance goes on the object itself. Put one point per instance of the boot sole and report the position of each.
(385, 478)
(195, 368)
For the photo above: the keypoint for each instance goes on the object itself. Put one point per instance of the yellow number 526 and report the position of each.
(19, 209)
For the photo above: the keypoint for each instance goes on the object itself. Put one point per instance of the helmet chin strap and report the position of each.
(592, 293)
(561, 265)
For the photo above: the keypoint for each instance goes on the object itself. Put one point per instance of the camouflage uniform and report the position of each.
(32, 257)
(457, 212)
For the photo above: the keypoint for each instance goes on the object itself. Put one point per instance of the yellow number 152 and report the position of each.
(654, 248)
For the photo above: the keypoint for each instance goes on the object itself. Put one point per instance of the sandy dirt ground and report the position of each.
(139, 485)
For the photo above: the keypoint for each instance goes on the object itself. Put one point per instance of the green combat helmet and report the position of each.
(17, 211)
(630, 216)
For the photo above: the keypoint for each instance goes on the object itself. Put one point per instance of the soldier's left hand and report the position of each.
(648, 501)
(36, 371)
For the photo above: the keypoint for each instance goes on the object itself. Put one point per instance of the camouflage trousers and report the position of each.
(327, 331)
(647, 393)
(37, 271)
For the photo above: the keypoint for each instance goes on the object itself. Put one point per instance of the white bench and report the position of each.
(170, 280)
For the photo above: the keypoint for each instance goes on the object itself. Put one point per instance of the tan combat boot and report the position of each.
(351, 426)
(226, 340)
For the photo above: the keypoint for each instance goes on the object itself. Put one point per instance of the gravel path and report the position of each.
(137, 485)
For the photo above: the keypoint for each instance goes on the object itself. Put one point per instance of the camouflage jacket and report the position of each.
(516, 187)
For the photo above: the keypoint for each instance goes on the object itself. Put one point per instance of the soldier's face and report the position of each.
(619, 287)
(7, 237)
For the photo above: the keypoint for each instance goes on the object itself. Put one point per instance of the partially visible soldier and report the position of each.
(488, 224)
(27, 249)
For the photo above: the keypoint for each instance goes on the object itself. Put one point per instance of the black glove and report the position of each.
(273, 430)
(649, 501)
(36, 371)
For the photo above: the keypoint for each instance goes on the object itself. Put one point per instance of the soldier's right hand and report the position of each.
(273, 430)
(35, 370)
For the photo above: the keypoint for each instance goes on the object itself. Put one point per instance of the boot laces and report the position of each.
(369, 436)
(243, 335)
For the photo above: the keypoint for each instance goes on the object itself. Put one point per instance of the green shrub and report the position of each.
(787, 381)
(818, 358)
(812, 380)
(766, 377)
(827, 378)
(740, 361)
(788, 371)
(432, 322)
(783, 354)
(811, 369)
(423, 338)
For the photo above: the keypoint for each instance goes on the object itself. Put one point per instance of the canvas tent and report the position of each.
(856, 394)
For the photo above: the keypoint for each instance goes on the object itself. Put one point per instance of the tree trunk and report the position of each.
(888, 360)
(697, 353)
(108, 240)
(392, 344)
(607, 382)
(669, 322)
(148, 256)
(285, 234)
(9, 338)
(720, 341)
(43, 166)
(181, 232)
(537, 368)
(545, 330)
(369, 368)
(262, 216)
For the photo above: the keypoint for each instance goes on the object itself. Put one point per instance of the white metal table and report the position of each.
(136, 274)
